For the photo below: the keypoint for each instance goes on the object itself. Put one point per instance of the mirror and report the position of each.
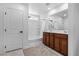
(56, 21)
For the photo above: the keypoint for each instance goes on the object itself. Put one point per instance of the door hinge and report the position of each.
(5, 46)
(5, 30)
(5, 13)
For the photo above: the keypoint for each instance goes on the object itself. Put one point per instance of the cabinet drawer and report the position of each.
(61, 35)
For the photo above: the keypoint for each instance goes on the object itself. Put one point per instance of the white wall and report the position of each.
(66, 24)
(24, 9)
(73, 29)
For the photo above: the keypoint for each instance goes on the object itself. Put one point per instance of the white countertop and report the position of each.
(58, 31)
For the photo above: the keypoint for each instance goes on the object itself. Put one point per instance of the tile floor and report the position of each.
(46, 51)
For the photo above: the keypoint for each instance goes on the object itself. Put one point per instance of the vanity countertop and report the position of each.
(58, 31)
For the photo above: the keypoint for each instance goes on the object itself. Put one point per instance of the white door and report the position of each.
(1, 29)
(13, 29)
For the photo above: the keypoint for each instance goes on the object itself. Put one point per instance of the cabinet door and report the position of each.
(51, 40)
(47, 38)
(64, 46)
(44, 37)
(57, 44)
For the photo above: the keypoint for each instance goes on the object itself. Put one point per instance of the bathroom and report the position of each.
(27, 29)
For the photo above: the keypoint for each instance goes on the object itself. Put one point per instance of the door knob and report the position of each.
(21, 31)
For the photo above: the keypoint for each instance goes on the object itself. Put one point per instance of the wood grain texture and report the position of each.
(56, 41)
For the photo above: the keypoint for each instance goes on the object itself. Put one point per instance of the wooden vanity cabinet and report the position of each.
(52, 40)
(57, 44)
(46, 38)
(64, 45)
(56, 41)
(61, 43)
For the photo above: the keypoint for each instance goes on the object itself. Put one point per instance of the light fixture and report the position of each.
(49, 8)
(64, 14)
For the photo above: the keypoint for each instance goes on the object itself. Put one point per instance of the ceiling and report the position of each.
(62, 14)
(43, 8)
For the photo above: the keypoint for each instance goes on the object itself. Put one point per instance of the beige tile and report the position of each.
(40, 50)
